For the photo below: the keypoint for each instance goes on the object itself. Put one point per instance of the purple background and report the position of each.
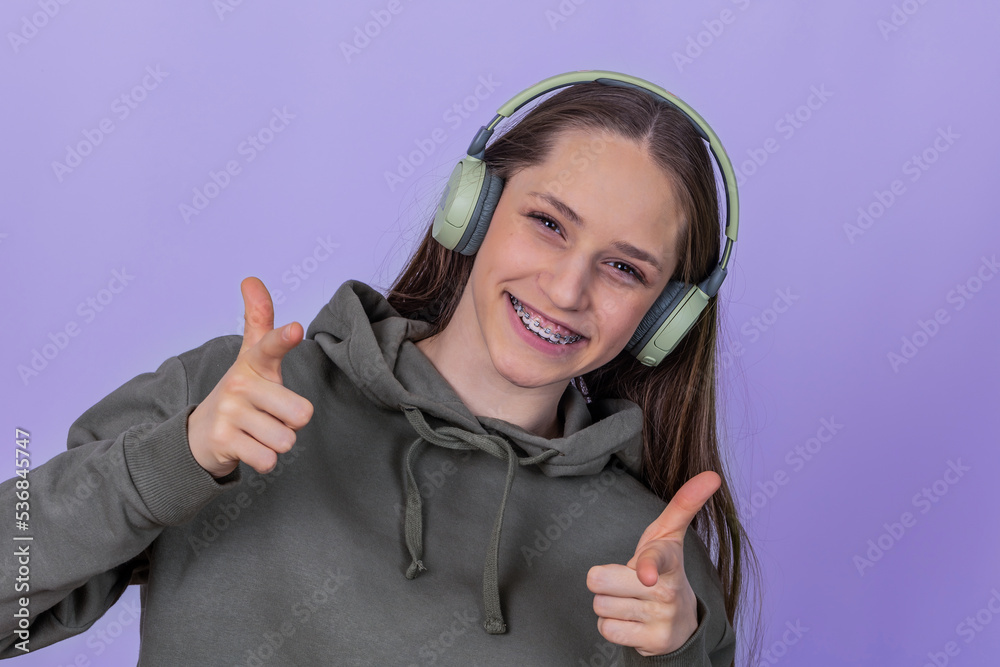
(889, 91)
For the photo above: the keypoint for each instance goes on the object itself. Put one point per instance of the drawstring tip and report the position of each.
(495, 626)
(416, 567)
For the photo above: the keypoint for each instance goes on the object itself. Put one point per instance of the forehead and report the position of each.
(612, 169)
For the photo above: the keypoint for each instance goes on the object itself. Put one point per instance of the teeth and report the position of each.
(535, 326)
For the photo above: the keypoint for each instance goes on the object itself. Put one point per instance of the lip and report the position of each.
(531, 340)
(550, 319)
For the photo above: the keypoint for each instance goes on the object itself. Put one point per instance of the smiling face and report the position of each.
(584, 242)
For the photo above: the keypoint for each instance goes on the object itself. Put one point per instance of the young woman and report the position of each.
(459, 472)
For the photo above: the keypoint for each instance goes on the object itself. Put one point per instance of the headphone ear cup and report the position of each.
(457, 202)
(655, 315)
(479, 223)
(666, 322)
(466, 206)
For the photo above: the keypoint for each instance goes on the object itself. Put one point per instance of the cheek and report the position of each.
(623, 315)
(618, 312)
(489, 256)
(509, 246)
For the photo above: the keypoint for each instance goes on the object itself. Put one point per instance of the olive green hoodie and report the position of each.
(399, 530)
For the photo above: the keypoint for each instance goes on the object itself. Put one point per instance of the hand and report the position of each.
(249, 416)
(649, 604)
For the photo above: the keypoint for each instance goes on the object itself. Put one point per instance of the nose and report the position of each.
(566, 283)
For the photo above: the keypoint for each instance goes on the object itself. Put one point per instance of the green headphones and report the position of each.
(468, 202)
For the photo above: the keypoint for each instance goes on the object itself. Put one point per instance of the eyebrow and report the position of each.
(621, 246)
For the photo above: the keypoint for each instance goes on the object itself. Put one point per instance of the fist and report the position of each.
(250, 415)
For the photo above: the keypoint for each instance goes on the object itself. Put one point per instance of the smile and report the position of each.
(534, 325)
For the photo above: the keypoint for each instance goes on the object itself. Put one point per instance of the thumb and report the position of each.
(264, 346)
(258, 312)
(653, 558)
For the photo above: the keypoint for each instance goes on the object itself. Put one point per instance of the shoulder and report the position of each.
(205, 365)
(212, 359)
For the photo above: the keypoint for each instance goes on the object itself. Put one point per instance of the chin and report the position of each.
(519, 374)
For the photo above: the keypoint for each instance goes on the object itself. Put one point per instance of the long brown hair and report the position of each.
(677, 397)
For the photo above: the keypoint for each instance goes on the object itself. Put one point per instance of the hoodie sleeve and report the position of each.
(695, 652)
(128, 473)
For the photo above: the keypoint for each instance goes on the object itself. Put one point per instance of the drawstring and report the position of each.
(456, 438)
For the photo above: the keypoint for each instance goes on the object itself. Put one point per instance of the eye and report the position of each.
(543, 219)
(631, 270)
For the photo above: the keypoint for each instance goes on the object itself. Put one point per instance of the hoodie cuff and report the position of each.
(169, 480)
(691, 653)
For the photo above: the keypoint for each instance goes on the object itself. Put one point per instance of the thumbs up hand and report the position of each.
(649, 604)
(250, 416)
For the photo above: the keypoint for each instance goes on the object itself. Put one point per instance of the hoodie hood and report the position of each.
(373, 344)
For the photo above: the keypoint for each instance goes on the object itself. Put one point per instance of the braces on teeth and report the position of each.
(547, 334)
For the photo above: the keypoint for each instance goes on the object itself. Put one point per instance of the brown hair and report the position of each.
(677, 397)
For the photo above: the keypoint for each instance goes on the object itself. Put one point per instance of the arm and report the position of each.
(128, 473)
